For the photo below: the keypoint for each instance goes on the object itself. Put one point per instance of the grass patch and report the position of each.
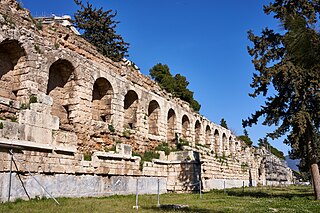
(262, 199)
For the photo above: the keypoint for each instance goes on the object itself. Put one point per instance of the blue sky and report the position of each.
(204, 40)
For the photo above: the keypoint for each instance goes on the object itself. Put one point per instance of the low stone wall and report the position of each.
(225, 183)
(66, 185)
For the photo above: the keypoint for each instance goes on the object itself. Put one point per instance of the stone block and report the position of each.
(44, 99)
(37, 134)
(124, 149)
(43, 120)
(11, 130)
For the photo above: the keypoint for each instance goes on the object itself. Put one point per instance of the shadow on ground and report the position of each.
(276, 193)
(169, 208)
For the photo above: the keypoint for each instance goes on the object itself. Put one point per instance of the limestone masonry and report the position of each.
(64, 106)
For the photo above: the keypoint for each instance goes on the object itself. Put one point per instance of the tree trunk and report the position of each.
(315, 179)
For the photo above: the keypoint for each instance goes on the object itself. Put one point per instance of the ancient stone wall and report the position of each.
(63, 106)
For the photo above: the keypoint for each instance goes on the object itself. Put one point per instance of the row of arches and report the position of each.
(61, 84)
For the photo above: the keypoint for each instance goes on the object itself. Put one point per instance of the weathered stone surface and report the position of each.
(66, 105)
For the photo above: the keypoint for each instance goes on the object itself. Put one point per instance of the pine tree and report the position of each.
(290, 62)
(223, 123)
(99, 28)
(176, 85)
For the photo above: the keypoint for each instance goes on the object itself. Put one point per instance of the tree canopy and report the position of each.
(176, 85)
(264, 143)
(99, 28)
(223, 123)
(245, 138)
(289, 62)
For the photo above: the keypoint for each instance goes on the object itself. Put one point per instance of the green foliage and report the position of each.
(264, 143)
(182, 142)
(290, 62)
(56, 45)
(33, 99)
(126, 133)
(87, 156)
(1, 125)
(223, 123)
(37, 49)
(244, 167)
(98, 27)
(9, 21)
(165, 147)
(245, 138)
(112, 148)
(111, 128)
(147, 156)
(39, 25)
(239, 200)
(176, 85)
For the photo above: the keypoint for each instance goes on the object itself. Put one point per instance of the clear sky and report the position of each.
(204, 40)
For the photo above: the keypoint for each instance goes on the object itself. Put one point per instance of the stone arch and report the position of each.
(171, 123)
(60, 85)
(208, 136)
(102, 94)
(231, 145)
(216, 141)
(153, 117)
(11, 54)
(130, 109)
(197, 132)
(185, 127)
(224, 142)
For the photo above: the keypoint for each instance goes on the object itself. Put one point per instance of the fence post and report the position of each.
(137, 194)
(242, 186)
(158, 192)
(10, 177)
(200, 187)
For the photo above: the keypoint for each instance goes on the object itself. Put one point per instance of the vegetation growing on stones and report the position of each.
(264, 143)
(245, 138)
(111, 128)
(87, 156)
(146, 156)
(33, 99)
(99, 28)
(176, 85)
(289, 62)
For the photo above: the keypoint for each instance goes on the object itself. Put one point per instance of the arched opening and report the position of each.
(101, 100)
(185, 127)
(171, 123)
(224, 142)
(208, 136)
(11, 53)
(231, 146)
(216, 141)
(130, 109)
(59, 87)
(197, 132)
(153, 116)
